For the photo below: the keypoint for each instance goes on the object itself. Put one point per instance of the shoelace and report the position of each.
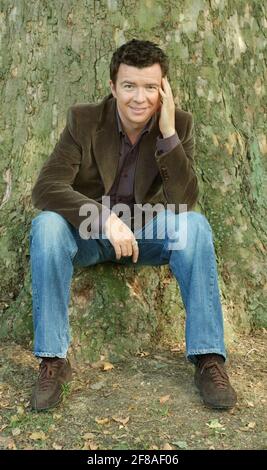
(217, 372)
(48, 370)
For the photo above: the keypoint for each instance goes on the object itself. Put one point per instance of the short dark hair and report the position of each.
(139, 54)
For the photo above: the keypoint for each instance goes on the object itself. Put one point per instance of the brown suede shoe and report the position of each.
(213, 383)
(48, 391)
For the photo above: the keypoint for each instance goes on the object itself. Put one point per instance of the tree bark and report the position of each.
(57, 53)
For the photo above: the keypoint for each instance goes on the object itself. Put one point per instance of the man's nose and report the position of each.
(139, 95)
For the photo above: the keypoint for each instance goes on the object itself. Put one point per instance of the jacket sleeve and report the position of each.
(53, 189)
(177, 170)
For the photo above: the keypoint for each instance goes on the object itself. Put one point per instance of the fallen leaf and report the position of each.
(12, 445)
(5, 402)
(52, 428)
(166, 446)
(36, 436)
(143, 354)
(16, 431)
(251, 425)
(7, 443)
(20, 410)
(121, 420)
(14, 418)
(3, 427)
(214, 424)
(249, 403)
(88, 436)
(56, 446)
(90, 445)
(107, 366)
(248, 427)
(180, 444)
(102, 420)
(96, 365)
(103, 365)
(164, 399)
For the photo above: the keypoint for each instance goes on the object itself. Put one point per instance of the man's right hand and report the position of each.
(121, 237)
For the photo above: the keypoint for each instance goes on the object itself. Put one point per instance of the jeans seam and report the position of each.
(34, 286)
(35, 294)
(212, 283)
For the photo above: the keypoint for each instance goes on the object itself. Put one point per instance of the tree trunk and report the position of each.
(57, 53)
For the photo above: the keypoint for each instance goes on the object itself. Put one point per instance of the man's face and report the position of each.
(137, 94)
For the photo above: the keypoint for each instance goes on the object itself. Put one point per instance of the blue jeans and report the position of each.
(56, 248)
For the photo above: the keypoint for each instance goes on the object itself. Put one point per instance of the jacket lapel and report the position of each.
(106, 144)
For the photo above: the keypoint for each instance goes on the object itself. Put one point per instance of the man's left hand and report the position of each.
(167, 110)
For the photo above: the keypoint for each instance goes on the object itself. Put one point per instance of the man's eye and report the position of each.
(128, 86)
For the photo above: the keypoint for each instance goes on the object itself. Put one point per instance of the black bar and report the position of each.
(131, 458)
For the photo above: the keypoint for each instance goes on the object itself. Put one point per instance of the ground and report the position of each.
(147, 402)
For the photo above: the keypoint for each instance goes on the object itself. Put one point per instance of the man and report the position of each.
(133, 148)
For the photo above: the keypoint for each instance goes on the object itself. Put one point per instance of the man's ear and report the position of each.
(113, 88)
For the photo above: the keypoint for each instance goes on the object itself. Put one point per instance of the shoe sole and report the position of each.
(217, 407)
(211, 405)
(49, 407)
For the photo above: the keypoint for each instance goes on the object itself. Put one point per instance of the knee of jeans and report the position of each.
(51, 229)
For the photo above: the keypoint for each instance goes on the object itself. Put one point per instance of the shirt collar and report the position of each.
(146, 128)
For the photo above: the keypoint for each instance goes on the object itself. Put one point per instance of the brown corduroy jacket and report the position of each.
(83, 164)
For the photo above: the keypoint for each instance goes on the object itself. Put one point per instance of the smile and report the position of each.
(138, 110)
